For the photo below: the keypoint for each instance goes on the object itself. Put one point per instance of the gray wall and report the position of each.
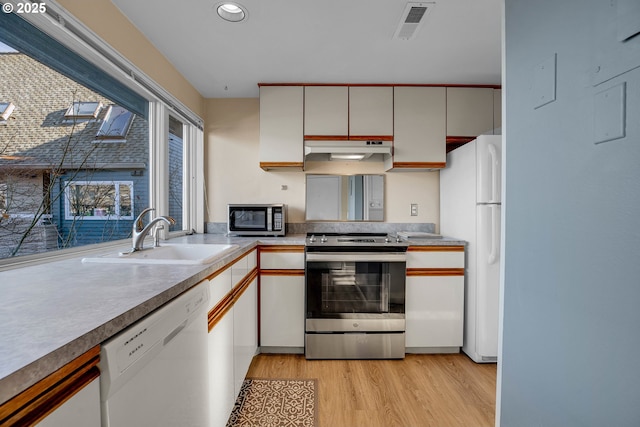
(571, 329)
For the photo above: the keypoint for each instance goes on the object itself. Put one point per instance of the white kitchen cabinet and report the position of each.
(82, 409)
(282, 299)
(469, 111)
(419, 116)
(435, 312)
(371, 112)
(70, 396)
(435, 299)
(220, 340)
(281, 312)
(281, 127)
(245, 332)
(233, 331)
(326, 111)
(282, 257)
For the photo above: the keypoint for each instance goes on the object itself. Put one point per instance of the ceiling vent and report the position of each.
(412, 19)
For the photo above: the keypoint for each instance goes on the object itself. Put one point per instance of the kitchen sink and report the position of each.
(174, 254)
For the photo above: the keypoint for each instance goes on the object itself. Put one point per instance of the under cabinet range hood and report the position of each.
(347, 150)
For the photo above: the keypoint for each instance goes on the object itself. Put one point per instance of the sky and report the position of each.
(5, 48)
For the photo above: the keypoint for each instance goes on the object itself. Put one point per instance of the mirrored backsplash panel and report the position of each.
(344, 197)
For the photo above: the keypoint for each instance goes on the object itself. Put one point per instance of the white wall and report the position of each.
(233, 174)
(571, 341)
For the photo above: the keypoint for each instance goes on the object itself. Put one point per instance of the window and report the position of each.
(52, 174)
(99, 200)
(6, 108)
(116, 123)
(176, 172)
(83, 110)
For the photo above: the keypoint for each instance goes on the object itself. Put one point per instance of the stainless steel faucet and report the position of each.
(138, 233)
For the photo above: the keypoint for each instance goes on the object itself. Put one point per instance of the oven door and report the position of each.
(355, 291)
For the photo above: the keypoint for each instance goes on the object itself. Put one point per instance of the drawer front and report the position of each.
(281, 258)
(435, 257)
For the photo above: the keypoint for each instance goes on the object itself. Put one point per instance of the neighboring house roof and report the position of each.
(37, 136)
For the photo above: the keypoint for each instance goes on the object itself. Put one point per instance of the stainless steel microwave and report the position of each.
(257, 220)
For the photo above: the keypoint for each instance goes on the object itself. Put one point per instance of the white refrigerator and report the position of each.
(470, 198)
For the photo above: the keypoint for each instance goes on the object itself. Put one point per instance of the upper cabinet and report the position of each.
(422, 121)
(348, 112)
(469, 111)
(281, 127)
(371, 113)
(419, 118)
(326, 112)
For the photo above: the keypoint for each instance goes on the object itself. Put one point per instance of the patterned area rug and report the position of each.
(275, 403)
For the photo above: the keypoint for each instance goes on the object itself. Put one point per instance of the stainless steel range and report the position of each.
(355, 296)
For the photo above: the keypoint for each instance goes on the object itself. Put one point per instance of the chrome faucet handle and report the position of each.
(137, 224)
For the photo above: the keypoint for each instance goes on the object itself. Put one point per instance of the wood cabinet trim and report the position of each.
(326, 137)
(277, 165)
(435, 272)
(220, 309)
(348, 137)
(281, 272)
(419, 165)
(48, 394)
(282, 248)
(459, 139)
(370, 137)
(229, 265)
(455, 248)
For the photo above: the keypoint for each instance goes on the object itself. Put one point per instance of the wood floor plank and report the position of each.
(421, 390)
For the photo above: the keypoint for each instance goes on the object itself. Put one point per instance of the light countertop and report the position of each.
(53, 312)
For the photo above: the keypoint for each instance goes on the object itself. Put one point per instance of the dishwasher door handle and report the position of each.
(175, 332)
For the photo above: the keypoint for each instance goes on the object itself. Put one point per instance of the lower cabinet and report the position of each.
(83, 409)
(68, 397)
(434, 299)
(282, 312)
(233, 333)
(245, 332)
(282, 299)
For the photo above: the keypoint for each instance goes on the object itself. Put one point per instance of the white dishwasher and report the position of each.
(155, 372)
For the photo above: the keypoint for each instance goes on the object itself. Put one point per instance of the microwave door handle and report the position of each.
(269, 219)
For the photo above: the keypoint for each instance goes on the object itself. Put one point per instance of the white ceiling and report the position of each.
(321, 41)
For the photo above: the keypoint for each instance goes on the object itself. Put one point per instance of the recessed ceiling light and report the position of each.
(232, 12)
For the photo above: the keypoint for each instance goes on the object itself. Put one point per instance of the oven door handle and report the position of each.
(356, 257)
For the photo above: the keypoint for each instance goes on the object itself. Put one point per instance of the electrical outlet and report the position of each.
(414, 209)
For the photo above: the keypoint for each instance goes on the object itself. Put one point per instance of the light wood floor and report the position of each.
(420, 391)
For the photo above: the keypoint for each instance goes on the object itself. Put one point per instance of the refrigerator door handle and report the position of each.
(494, 253)
(495, 185)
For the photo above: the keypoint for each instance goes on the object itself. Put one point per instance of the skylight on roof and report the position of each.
(83, 110)
(116, 123)
(6, 108)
